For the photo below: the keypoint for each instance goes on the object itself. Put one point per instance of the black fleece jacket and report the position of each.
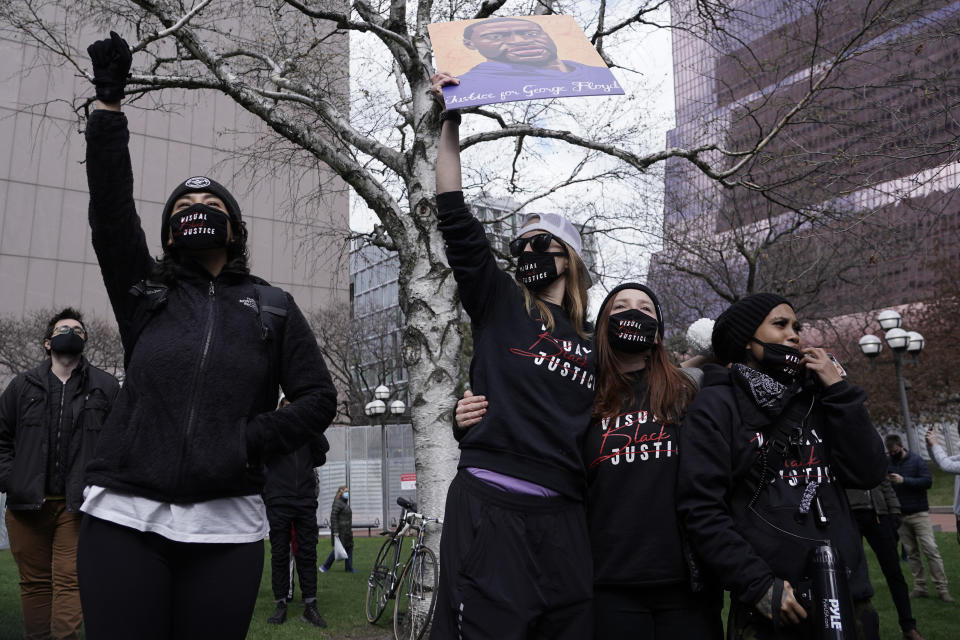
(197, 412)
(25, 439)
(720, 438)
(543, 380)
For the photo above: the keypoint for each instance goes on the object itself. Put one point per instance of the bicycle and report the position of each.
(414, 582)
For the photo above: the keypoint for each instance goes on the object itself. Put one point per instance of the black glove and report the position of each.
(111, 60)
(895, 522)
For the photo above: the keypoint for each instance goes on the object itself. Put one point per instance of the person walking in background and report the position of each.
(911, 478)
(50, 420)
(290, 496)
(341, 525)
(950, 464)
(171, 544)
(877, 512)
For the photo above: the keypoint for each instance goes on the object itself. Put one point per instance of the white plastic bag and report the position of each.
(339, 553)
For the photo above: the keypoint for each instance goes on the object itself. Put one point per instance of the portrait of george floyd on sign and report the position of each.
(506, 59)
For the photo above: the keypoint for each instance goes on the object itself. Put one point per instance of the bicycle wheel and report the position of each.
(378, 584)
(415, 596)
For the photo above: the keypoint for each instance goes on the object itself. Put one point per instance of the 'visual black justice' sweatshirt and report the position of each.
(632, 462)
(543, 381)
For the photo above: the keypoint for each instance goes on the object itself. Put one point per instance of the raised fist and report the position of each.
(111, 60)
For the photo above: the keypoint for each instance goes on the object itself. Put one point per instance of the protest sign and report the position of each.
(505, 59)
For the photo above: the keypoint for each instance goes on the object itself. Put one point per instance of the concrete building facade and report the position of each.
(46, 258)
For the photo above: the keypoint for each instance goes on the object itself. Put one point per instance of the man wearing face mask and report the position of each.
(769, 444)
(911, 478)
(50, 419)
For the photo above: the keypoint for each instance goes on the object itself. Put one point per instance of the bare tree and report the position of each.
(361, 354)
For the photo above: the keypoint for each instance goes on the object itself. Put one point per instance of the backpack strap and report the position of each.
(153, 297)
(154, 293)
(272, 311)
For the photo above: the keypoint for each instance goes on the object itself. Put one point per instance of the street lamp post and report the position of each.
(900, 341)
(378, 408)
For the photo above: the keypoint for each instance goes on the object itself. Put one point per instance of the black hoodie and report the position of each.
(720, 438)
(631, 461)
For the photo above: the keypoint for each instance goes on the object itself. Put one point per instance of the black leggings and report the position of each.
(142, 585)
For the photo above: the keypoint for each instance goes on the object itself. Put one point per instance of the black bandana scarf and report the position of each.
(768, 394)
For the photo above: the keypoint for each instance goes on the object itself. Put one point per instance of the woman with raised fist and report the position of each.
(172, 542)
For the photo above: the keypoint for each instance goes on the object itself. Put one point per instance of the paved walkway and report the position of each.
(944, 521)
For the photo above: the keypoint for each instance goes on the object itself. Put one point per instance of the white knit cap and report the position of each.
(561, 228)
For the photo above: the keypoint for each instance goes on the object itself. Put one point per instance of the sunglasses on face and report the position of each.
(539, 243)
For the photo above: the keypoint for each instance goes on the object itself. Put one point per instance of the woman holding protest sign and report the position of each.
(171, 545)
(646, 582)
(515, 533)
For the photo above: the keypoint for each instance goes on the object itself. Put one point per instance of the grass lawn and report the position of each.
(341, 600)
(936, 620)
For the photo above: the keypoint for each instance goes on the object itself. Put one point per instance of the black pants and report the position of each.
(879, 532)
(144, 586)
(514, 566)
(667, 612)
(303, 517)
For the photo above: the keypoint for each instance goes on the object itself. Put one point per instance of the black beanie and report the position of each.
(639, 287)
(199, 184)
(739, 322)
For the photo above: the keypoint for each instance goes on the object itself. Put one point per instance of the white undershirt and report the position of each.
(223, 520)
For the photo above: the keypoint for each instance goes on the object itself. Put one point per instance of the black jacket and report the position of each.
(882, 499)
(196, 414)
(916, 480)
(291, 477)
(720, 438)
(24, 437)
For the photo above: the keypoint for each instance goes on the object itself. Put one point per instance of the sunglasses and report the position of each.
(539, 243)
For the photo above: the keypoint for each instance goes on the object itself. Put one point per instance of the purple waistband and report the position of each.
(511, 484)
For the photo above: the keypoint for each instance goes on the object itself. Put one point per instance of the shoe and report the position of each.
(913, 634)
(280, 615)
(946, 597)
(352, 571)
(919, 593)
(323, 569)
(311, 615)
